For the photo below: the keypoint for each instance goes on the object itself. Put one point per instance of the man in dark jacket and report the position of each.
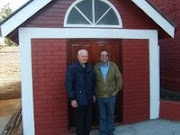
(80, 87)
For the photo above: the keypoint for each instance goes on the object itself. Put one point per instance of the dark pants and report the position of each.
(83, 120)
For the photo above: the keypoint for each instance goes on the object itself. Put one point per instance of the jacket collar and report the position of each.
(99, 65)
(80, 68)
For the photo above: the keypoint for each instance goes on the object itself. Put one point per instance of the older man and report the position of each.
(80, 87)
(108, 83)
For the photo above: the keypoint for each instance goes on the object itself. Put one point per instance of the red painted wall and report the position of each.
(170, 48)
(53, 15)
(50, 100)
(136, 92)
(170, 110)
(132, 17)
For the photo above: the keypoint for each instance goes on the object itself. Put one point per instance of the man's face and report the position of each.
(104, 58)
(83, 58)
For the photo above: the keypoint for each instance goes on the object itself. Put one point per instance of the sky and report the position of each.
(13, 4)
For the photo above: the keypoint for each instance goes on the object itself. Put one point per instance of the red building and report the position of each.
(170, 60)
(50, 32)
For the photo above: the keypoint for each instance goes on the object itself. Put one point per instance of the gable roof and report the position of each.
(156, 16)
(19, 17)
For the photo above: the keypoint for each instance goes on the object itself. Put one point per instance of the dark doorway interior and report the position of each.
(169, 95)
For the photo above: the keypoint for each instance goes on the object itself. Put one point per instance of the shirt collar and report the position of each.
(101, 65)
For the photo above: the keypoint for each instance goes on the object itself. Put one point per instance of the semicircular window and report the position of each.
(92, 13)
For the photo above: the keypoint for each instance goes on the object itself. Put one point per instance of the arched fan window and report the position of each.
(92, 13)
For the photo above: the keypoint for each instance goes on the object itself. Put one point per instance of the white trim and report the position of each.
(115, 10)
(154, 67)
(93, 11)
(103, 15)
(82, 14)
(20, 17)
(69, 10)
(92, 26)
(93, 23)
(156, 16)
(26, 85)
(26, 34)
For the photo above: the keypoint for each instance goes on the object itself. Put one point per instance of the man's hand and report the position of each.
(74, 104)
(94, 99)
(114, 94)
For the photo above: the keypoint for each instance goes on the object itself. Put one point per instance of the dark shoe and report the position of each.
(111, 134)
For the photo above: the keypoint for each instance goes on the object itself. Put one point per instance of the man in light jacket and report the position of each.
(108, 83)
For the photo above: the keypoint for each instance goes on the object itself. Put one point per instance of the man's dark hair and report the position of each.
(103, 51)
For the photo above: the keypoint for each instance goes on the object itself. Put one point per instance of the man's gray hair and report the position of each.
(82, 51)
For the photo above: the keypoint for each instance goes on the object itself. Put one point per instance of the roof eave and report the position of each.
(155, 16)
(10, 24)
(16, 11)
(31, 8)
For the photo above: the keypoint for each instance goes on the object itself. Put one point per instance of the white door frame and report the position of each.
(26, 34)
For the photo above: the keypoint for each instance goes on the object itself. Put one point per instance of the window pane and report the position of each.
(110, 18)
(86, 8)
(76, 18)
(100, 9)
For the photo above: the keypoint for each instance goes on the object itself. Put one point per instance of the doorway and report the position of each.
(94, 47)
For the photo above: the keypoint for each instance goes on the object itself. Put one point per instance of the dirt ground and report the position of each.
(7, 108)
(10, 81)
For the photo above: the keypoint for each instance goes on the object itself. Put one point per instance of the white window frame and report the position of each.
(93, 24)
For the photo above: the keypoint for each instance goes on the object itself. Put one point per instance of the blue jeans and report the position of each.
(106, 115)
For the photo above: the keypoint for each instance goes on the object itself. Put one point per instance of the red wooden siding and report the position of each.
(53, 15)
(170, 110)
(50, 100)
(170, 64)
(170, 48)
(132, 16)
(136, 93)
